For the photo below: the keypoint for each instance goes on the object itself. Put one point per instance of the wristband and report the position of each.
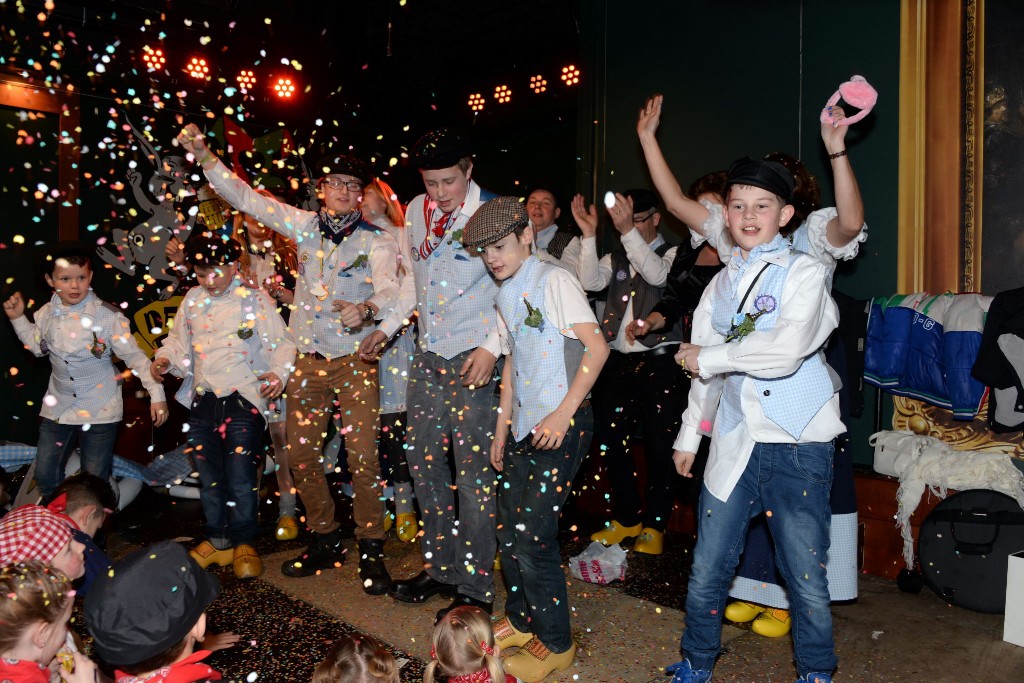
(837, 155)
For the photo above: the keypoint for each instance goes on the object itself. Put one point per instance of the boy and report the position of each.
(147, 614)
(555, 352)
(84, 501)
(83, 401)
(232, 348)
(449, 402)
(347, 280)
(760, 380)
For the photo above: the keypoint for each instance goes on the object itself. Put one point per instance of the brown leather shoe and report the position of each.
(247, 562)
(205, 554)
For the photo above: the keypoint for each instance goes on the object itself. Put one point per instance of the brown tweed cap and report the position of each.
(494, 220)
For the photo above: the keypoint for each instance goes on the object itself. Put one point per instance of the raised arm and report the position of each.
(849, 221)
(678, 204)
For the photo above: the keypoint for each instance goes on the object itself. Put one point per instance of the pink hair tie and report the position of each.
(856, 91)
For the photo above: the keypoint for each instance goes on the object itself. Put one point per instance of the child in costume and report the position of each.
(463, 650)
(357, 659)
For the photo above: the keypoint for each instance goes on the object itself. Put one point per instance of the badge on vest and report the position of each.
(621, 276)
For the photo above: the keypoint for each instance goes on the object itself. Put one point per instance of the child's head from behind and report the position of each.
(33, 533)
(463, 643)
(214, 260)
(68, 270)
(758, 195)
(357, 659)
(34, 612)
(498, 232)
(86, 499)
(149, 610)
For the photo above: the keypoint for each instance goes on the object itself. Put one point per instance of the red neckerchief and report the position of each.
(188, 670)
(481, 676)
(58, 505)
(23, 671)
(436, 233)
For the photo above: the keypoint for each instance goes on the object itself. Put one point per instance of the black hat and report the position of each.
(342, 163)
(643, 199)
(147, 603)
(768, 175)
(494, 220)
(441, 148)
(210, 249)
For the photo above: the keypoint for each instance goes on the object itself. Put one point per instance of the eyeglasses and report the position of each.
(640, 219)
(338, 183)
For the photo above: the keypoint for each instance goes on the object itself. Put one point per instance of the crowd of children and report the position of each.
(403, 320)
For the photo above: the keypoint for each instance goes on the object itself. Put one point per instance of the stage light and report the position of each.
(197, 68)
(476, 102)
(570, 75)
(246, 80)
(503, 94)
(153, 58)
(538, 83)
(284, 88)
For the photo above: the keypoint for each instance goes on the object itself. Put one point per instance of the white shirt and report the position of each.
(570, 257)
(807, 316)
(595, 275)
(219, 359)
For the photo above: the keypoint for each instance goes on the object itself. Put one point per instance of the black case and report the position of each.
(964, 545)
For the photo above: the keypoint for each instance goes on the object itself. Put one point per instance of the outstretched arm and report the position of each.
(849, 221)
(678, 204)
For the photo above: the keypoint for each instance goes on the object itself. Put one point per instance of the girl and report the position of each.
(463, 649)
(357, 659)
(381, 207)
(34, 625)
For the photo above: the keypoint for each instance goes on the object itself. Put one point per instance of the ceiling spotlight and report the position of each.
(538, 84)
(197, 68)
(246, 80)
(284, 88)
(503, 94)
(153, 58)
(476, 102)
(570, 75)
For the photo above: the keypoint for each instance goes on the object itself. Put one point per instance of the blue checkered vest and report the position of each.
(790, 402)
(454, 291)
(347, 277)
(253, 349)
(544, 361)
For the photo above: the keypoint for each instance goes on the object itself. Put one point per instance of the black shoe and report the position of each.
(419, 589)
(463, 601)
(372, 572)
(325, 552)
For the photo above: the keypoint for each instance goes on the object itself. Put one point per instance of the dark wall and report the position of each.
(746, 77)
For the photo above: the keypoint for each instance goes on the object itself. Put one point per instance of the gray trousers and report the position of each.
(458, 544)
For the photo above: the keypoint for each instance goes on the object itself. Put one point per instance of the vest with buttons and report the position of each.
(790, 402)
(454, 292)
(624, 287)
(544, 361)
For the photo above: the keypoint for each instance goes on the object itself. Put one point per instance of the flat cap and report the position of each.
(643, 199)
(441, 148)
(210, 249)
(342, 163)
(147, 603)
(767, 175)
(494, 220)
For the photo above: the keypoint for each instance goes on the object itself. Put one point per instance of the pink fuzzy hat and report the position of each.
(856, 91)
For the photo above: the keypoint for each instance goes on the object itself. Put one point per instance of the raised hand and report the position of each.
(586, 217)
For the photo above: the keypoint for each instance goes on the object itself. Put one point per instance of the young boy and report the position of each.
(761, 383)
(147, 614)
(232, 348)
(83, 402)
(84, 501)
(555, 352)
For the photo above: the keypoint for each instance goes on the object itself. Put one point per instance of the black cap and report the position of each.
(643, 199)
(210, 249)
(147, 603)
(493, 221)
(441, 148)
(342, 163)
(768, 175)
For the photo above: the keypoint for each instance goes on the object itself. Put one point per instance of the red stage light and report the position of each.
(476, 102)
(153, 58)
(197, 68)
(284, 88)
(570, 75)
(503, 94)
(538, 83)
(246, 80)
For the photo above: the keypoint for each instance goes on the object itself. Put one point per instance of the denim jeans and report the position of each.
(790, 483)
(458, 542)
(226, 435)
(532, 489)
(95, 442)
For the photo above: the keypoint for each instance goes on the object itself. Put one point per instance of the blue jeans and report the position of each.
(226, 437)
(56, 441)
(791, 484)
(531, 491)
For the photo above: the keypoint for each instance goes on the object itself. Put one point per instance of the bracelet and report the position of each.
(837, 155)
(208, 156)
